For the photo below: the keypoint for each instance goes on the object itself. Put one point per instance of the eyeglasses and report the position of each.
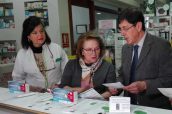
(90, 51)
(125, 29)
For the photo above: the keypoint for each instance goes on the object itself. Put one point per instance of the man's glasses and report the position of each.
(125, 29)
(91, 51)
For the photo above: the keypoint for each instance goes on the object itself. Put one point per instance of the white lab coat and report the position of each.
(26, 69)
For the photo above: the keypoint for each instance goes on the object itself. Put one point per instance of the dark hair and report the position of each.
(28, 26)
(85, 37)
(132, 15)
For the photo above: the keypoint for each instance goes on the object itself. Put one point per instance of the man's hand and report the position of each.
(136, 87)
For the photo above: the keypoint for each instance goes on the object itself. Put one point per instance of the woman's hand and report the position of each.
(78, 89)
(36, 89)
(106, 95)
(113, 91)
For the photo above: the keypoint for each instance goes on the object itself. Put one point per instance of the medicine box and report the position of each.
(65, 96)
(17, 87)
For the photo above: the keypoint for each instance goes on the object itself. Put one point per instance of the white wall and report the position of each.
(64, 21)
(19, 15)
(80, 15)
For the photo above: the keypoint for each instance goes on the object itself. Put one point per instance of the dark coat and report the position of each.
(73, 73)
(154, 66)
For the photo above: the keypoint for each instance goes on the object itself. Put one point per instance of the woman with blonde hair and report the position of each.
(89, 69)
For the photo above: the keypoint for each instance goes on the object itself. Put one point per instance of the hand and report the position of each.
(136, 87)
(78, 89)
(113, 91)
(54, 86)
(36, 89)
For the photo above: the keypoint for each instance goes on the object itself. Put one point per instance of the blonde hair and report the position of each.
(91, 35)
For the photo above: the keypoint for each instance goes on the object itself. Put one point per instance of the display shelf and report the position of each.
(6, 68)
(6, 16)
(160, 26)
(37, 8)
(8, 51)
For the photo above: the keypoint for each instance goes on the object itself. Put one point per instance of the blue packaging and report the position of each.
(65, 96)
(17, 87)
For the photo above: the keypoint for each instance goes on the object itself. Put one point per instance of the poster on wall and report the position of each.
(80, 29)
(6, 15)
(39, 9)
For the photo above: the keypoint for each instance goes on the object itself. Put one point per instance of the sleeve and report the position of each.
(67, 75)
(18, 71)
(164, 78)
(111, 75)
(110, 78)
(120, 71)
(64, 60)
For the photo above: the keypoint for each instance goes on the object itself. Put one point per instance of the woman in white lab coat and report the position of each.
(40, 63)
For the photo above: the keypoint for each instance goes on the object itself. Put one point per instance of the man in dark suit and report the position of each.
(147, 68)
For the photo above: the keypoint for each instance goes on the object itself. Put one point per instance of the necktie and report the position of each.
(134, 63)
(132, 73)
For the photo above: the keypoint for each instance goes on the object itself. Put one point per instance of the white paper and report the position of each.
(116, 85)
(119, 104)
(166, 92)
(91, 94)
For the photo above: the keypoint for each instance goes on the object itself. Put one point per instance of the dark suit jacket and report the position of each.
(73, 72)
(154, 66)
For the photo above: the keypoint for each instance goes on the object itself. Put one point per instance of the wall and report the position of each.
(104, 16)
(19, 15)
(80, 15)
(64, 21)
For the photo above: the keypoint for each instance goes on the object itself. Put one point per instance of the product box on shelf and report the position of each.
(65, 96)
(1, 11)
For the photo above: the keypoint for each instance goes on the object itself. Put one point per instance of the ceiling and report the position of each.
(111, 4)
(119, 3)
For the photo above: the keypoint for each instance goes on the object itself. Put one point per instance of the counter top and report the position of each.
(42, 103)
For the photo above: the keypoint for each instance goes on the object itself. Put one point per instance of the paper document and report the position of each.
(91, 94)
(166, 92)
(116, 85)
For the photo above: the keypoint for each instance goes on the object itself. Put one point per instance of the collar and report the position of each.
(140, 43)
(36, 49)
